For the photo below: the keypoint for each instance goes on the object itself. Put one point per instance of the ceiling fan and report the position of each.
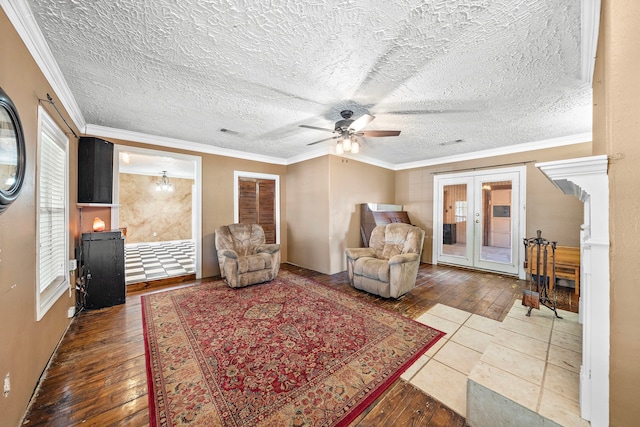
(347, 129)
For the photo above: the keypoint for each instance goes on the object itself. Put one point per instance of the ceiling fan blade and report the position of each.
(322, 140)
(378, 133)
(316, 128)
(361, 122)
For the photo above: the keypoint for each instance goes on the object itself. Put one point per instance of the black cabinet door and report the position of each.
(104, 272)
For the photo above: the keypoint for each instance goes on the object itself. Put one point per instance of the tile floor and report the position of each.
(533, 361)
(153, 261)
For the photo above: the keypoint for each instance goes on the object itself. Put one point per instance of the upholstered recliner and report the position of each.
(244, 257)
(389, 266)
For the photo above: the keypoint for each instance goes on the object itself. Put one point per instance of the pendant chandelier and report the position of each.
(164, 184)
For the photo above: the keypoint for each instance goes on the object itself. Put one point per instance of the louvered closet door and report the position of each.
(257, 204)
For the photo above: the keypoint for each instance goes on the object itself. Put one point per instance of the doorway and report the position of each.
(479, 219)
(163, 222)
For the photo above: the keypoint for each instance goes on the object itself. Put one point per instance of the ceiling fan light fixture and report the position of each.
(355, 147)
(339, 149)
(346, 144)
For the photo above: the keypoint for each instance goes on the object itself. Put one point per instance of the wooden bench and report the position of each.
(567, 265)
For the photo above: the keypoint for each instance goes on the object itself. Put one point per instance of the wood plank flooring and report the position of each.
(98, 375)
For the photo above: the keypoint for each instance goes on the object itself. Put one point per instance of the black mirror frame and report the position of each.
(8, 197)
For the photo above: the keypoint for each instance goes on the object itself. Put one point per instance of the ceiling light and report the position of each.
(346, 144)
(164, 184)
(355, 147)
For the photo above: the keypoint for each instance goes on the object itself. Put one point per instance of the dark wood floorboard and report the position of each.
(98, 375)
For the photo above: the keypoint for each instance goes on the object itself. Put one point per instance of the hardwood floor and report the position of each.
(98, 375)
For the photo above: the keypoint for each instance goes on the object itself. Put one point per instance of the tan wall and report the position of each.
(617, 90)
(25, 344)
(548, 209)
(323, 212)
(353, 183)
(155, 216)
(307, 220)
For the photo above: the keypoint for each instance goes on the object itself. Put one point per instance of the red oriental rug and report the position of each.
(292, 352)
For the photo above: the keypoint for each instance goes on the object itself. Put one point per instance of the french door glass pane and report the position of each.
(497, 226)
(454, 215)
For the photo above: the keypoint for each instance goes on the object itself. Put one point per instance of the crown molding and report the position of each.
(25, 24)
(511, 149)
(107, 132)
(589, 28)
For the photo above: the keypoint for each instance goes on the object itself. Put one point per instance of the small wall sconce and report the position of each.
(98, 224)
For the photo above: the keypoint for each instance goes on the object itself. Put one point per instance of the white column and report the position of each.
(586, 178)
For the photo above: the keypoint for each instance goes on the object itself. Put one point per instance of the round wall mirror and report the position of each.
(12, 152)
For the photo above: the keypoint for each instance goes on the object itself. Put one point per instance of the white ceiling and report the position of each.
(492, 73)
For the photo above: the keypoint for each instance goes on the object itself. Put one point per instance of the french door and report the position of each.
(479, 219)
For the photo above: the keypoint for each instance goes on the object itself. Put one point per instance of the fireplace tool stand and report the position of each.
(540, 280)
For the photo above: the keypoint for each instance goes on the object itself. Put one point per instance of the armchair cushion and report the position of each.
(389, 266)
(244, 257)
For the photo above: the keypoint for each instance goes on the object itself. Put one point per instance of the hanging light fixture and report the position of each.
(164, 184)
(347, 144)
(355, 146)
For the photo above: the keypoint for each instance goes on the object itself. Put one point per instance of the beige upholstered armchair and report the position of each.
(244, 257)
(389, 266)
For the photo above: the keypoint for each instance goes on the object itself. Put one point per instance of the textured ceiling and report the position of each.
(491, 73)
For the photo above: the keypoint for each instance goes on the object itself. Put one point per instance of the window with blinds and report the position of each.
(53, 276)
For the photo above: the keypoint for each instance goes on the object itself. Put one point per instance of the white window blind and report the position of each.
(53, 275)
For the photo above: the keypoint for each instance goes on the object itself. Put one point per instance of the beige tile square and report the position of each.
(566, 340)
(417, 365)
(458, 357)
(449, 313)
(439, 323)
(519, 364)
(475, 340)
(533, 330)
(568, 316)
(483, 324)
(563, 411)
(522, 343)
(563, 382)
(517, 307)
(437, 346)
(510, 386)
(444, 384)
(542, 317)
(568, 326)
(564, 358)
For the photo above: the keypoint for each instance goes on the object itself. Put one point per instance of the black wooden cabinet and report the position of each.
(95, 170)
(103, 269)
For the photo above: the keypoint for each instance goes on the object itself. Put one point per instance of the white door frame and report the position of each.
(519, 198)
(236, 194)
(196, 226)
